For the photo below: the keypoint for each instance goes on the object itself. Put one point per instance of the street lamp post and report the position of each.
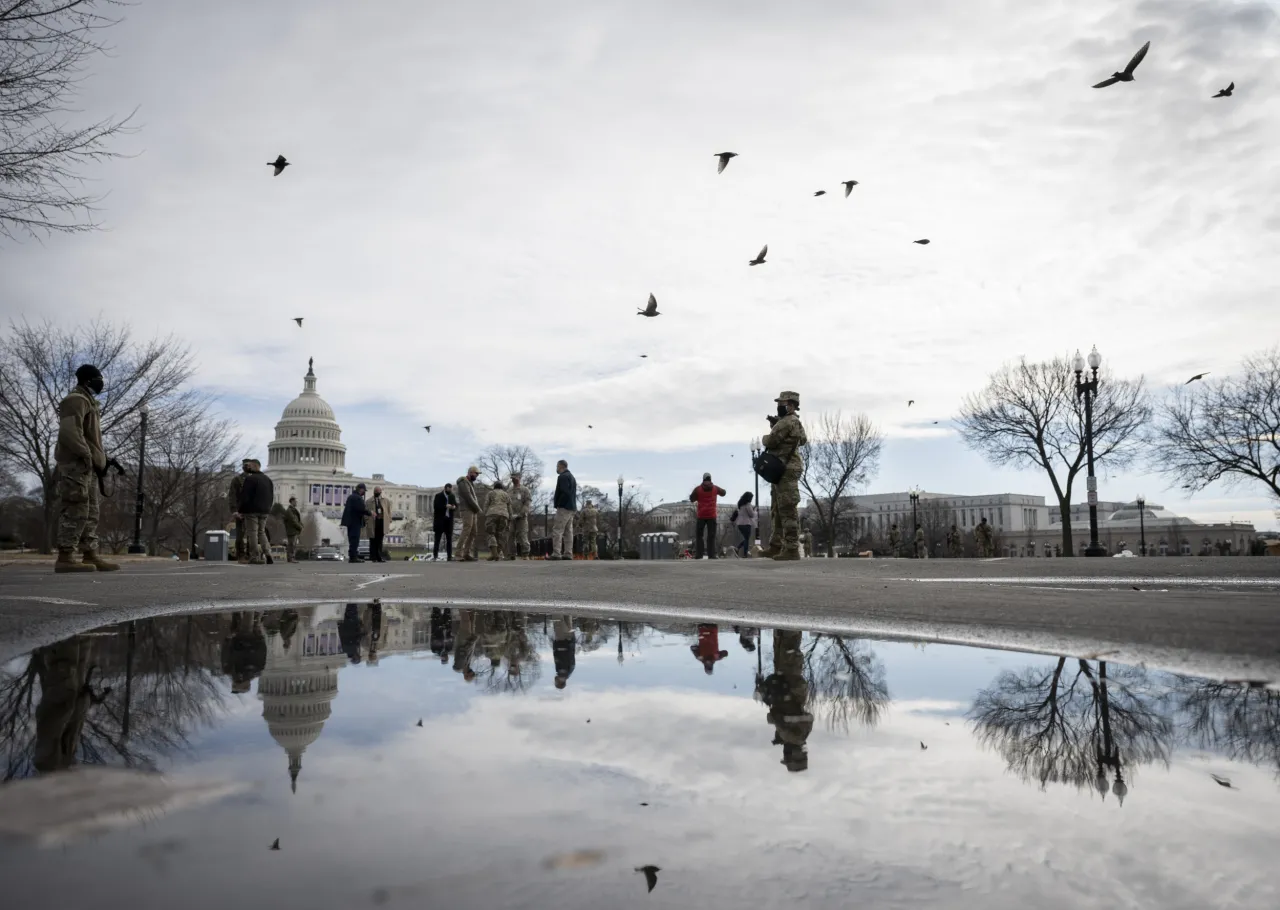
(136, 546)
(914, 496)
(619, 556)
(195, 508)
(756, 448)
(1088, 389)
(1142, 524)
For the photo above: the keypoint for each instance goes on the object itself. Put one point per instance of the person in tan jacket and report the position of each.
(497, 517)
(521, 501)
(78, 455)
(469, 506)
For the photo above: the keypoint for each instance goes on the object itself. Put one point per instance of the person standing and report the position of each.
(442, 508)
(257, 494)
(380, 519)
(982, 537)
(521, 500)
(292, 530)
(565, 501)
(895, 540)
(78, 455)
(744, 517)
(921, 550)
(590, 530)
(784, 441)
(497, 517)
(705, 495)
(955, 543)
(470, 506)
(353, 514)
(233, 501)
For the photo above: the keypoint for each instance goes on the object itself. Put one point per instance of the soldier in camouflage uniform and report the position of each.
(784, 441)
(66, 694)
(496, 519)
(233, 501)
(786, 692)
(521, 501)
(78, 456)
(921, 550)
(955, 542)
(895, 540)
(590, 516)
(982, 537)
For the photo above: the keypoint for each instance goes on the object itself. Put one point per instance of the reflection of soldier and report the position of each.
(982, 537)
(955, 542)
(244, 650)
(564, 646)
(590, 516)
(707, 650)
(78, 455)
(65, 697)
(496, 519)
(786, 692)
(784, 440)
(895, 540)
(465, 643)
(521, 500)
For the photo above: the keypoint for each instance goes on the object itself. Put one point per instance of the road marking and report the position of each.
(1124, 580)
(48, 600)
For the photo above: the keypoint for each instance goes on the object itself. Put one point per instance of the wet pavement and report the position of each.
(414, 756)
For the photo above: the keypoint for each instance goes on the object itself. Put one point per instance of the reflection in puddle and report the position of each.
(490, 758)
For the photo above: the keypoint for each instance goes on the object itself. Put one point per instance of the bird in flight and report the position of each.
(1222, 781)
(848, 187)
(1195, 377)
(911, 402)
(651, 309)
(419, 721)
(1226, 92)
(650, 875)
(923, 747)
(924, 242)
(590, 427)
(1127, 74)
(427, 428)
(820, 193)
(276, 844)
(935, 423)
(279, 164)
(644, 355)
(724, 160)
(298, 320)
(760, 258)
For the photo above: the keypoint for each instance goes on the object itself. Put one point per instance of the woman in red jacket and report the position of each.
(705, 496)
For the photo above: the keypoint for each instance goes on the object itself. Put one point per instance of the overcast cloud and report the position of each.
(483, 193)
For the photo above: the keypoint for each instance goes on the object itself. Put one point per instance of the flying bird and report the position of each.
(276, 844)
(1223, 782)
(724, 160)
(935, 423)
(848, 187)
(911, 402)
(279, 164)
(590, 427)
(644, 355)
(650, 875)
(760, 258)
(1195, 377)
(924, 242)
(427, 428)
(651, 309)
(1127, 74)
(923, 747)
(419, 721)
(820, 193)
(1226, 92)
(298, 320)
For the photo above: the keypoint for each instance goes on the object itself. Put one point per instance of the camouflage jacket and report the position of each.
(785, 440)
(590, 516)
(233, 494)
(521, 499)
(80, 430)
(499, 504)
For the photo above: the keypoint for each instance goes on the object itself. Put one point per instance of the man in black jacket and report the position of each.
(566, 504)
(257, 495)
(443, 507)
(353, 514)
(380, 510)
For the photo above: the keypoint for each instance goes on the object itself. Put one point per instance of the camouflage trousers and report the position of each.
(784, 512)
(469, 542)
(63, 670)
(496, 527)
(519, 536)
(77, 507)
(590, 541)
(291, 545)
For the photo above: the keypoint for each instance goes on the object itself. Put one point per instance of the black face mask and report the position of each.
(782, 409)
(95, 385)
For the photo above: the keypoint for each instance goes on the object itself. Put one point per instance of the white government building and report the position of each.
(308, 460)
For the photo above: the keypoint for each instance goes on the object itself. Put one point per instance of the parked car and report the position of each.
(332, 554)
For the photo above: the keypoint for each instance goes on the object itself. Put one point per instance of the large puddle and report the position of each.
(434, 757)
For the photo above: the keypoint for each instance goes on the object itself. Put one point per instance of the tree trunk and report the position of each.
(1064, 507)
(50, 518)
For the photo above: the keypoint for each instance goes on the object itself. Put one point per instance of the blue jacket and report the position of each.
(354, 511)
(566, 492)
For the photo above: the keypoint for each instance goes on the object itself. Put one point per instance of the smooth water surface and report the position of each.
(433, 757)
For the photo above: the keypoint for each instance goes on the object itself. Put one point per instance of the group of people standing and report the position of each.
(983, 539)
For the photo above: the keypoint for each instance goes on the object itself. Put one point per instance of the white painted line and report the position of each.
(378, 579)
(48, 600)
(1126, 580)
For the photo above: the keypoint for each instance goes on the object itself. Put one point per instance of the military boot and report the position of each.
(771, 551)
(91, 558)
(66, 562)
(787, 555)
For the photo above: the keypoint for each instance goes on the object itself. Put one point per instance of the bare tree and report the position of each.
(45, 46)
(1030, 416)
(37, 370)
(1242, 721)
(843, 454)
(1226, 430)
(498, 461)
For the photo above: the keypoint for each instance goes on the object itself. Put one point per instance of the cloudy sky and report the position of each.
(483, 193)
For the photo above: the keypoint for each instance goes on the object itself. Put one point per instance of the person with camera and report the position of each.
(782, 464)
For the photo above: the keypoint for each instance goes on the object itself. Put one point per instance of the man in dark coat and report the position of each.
(257, 495)
(353, 515)
(565, 502)
(443, 507)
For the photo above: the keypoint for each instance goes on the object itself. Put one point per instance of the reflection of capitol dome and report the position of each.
(295, 704)
(308, 433)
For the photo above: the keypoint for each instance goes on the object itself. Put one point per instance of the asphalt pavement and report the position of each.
(1217, 616)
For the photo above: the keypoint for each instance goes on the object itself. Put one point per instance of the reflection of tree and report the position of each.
(127, 695)
(1241, 721)
(846, 681)
(1053, 725)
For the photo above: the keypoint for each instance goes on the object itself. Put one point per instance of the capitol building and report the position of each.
(307, 459)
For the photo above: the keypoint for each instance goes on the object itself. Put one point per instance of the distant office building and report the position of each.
(876, 513)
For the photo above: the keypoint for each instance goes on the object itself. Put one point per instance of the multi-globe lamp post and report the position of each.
(1088, 390)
